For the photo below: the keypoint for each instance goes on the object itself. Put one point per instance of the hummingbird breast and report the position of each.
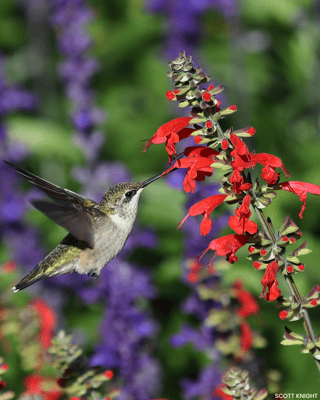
(109, 239)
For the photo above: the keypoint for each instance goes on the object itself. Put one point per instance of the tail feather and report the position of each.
(34, 276)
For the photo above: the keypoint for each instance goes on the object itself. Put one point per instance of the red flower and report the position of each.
(242, 157)
(240, 223)
(109, 373)
(48, 321)
(171, 133)
(219, 392)
(33, 386)
(198, 165)
(205, 207)
(246, 337)
(249, 305)
(237, 181)
(270, 280)
(301, 189)
(228, 246)
(270, 162)
(283, 314)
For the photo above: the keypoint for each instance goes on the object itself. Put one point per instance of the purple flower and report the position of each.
(184, 20)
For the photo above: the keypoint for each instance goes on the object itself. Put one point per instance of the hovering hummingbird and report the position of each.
(97, 231)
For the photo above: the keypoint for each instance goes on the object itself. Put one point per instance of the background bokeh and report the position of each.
(75, 109)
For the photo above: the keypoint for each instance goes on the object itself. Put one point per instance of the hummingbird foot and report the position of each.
(94, 273)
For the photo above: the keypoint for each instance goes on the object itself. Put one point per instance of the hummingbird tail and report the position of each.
(34, 276)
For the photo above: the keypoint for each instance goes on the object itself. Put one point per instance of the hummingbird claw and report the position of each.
(94, 274)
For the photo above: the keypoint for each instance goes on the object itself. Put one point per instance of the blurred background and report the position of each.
(82, 83)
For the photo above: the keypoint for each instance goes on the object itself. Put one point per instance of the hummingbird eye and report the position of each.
(130, 194)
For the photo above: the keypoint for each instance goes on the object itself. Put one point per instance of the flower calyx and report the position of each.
(238, 386)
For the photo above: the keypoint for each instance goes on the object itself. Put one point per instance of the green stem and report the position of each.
(290, 282)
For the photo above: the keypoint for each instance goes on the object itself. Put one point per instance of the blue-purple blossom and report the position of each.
(124, 330)
(183, 20)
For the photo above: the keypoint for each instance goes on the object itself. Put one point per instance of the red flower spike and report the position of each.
(269, 280)
(240, 223)
(205, 207)
(209, 124)
(228, 246)
(171, 133)
(109, 373)
(233, 108)
(48, 321)
(290, 269)
(2, 384)
(263, 252)
(271, 161)
(301, 189)
(283, 314)
(313, 302)
(301, 267)
(211, 87)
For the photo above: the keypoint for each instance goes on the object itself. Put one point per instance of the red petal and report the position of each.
(173, 126)
(207, 205)
(301, 189)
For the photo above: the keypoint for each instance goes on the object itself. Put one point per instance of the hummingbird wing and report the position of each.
(70, 210)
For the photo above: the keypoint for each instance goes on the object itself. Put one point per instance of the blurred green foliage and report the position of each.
(269, 62)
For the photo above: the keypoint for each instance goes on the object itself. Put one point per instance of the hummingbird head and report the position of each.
(122, 199)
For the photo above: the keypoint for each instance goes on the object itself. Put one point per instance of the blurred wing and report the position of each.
(71, 217)
(70, 209)
(55, 192)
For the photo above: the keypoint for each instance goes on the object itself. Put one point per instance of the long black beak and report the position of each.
(150, 180)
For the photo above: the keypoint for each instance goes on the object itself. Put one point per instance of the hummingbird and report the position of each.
(97, 231)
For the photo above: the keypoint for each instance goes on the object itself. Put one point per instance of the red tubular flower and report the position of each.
(246, 337)
(205, 207)
(228, 246)
(219, 392)
(301, 189)
(270, 280)
(283, 314)
(249, 305)
(242, 157)
(171, 133)
(34, 385)
(48, 321)
(270, 162)
(198, 165)
(237, 181)
(240, 223)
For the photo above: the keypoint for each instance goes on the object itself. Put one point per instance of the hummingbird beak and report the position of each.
(150, 180)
